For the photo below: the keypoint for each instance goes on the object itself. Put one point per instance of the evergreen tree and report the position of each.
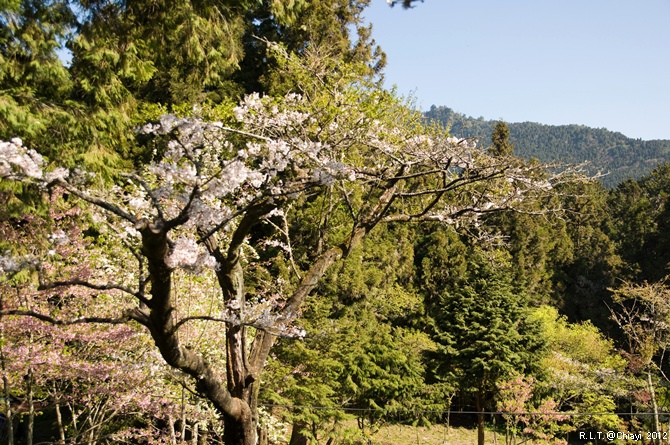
(582, 278)
(500, 140)
(361, 351)
(480, 325)
(129, 62)
(35, 86)
(538, 247)
(335, 29)
(639, 225)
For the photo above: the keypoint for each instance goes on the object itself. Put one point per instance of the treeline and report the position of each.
(607, 152)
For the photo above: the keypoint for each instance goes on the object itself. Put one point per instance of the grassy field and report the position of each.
(434, 435)
(410, 435)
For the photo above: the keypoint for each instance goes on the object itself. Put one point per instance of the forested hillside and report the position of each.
(217, 227)
(609, 152)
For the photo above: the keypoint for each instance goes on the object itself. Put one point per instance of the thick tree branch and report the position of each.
(229, 321)
(55, 321)
(96, 201)
(204, 236)
(183, 216)
(56, 284)
(161, 325)
(246, 133)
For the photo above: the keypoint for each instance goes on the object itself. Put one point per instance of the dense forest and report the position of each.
(607, 152)
(217, 227)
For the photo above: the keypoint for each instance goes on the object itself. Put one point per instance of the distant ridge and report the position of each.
(606, 151)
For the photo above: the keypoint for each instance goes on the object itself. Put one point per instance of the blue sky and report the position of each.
(601, 63)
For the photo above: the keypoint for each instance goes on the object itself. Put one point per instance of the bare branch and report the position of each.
(347, 201)
(284, 230)
(229, 321)
(96, 201)
(150, 192)
(205, 236)
(455, 183)
(246, 133)
(109, 286)
(183, 214)
(251, 218)
(81, 320)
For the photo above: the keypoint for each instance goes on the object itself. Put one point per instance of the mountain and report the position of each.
(613, 153)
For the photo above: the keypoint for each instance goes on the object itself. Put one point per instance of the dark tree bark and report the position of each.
(480, 416)
(297, 436)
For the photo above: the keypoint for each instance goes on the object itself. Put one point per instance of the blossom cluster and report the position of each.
(260, 112)
(202, 169)
(11, 264)
(187, 254)
(17, 160)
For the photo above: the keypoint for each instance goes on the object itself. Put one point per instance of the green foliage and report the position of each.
(583, 373)
(538, 247)
(129, 57)
(38, 100)
(35, 86)
(361, 351)
(334, 29)
(606, 151)
(501, 145)
(593, 264)
(640, 224)
(479, 323)
(165, 52)
(579, 341)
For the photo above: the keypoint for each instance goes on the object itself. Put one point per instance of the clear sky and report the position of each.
(601, 63)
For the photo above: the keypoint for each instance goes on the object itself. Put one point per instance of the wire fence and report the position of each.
(588, 427)
(471, 412)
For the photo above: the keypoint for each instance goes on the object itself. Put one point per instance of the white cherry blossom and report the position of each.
(17, 161)
(186, 253)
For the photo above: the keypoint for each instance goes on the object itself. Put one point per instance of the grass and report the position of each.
(421, 435)
(433, 435)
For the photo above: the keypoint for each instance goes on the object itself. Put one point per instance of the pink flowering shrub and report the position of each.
(526, 420)
(101, 379)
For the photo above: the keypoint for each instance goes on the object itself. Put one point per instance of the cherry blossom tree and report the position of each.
(222, 201)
